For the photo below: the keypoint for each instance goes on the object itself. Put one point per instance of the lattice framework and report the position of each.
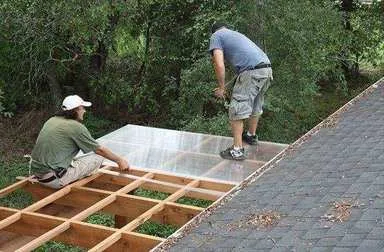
(47, 218)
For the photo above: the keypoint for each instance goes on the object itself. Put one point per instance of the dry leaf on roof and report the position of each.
(341, 210)
(263, 219)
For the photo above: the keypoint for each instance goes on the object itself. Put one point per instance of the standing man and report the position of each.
(53, 160)
(254, 77)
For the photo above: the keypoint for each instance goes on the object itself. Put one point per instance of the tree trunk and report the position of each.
(98, 59)
(347, 6)
(54, 86)
(142, 70)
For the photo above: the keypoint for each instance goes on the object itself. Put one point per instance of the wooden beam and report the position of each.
(10, 220)
(108, 242)
(142, 218)
(135, 242)
(32, 225)
(115, 180)
(136, 209)
(217, 186)
(9, 241)
(14, 187)
(94, 208)
(54, 196)
(78, 197)
(82, 199)
(176, 214)
(172, 178)
(62, 192)
(6, 212)
(130, 226)
(161, 186)
(73, 197)
(84, 235)
(45, 237)
(38, 191)
(130, 206)
(42, 203)
(92, 190)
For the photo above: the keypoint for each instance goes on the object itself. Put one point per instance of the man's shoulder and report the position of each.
(68, 124)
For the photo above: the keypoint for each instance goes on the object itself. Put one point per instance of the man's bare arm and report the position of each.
(108, 154)
(218, 62)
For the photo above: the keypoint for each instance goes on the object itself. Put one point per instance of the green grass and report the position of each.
(103, 219)
(161, 196)
(164, 230)
(155, 229)
(150, 194)
(194, 202)
(10, 170)
(58, 246)
(18, 199)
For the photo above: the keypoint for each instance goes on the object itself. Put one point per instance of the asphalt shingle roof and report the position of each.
(342, 161)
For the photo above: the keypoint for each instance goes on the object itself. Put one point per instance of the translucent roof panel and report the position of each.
(185, 153)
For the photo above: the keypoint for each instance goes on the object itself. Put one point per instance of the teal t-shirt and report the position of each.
(58, 143)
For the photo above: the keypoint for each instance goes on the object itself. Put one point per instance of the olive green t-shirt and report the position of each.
(58, 143)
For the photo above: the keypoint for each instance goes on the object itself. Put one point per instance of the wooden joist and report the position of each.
(79, 200)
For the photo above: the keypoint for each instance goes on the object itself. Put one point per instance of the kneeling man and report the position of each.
(53, 157)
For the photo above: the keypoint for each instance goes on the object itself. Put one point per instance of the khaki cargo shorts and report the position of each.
(80, 167)
(248, 93)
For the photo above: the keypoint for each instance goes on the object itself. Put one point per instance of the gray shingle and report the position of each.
(340, 163)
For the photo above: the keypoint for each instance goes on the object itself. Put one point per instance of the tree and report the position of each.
(48, 40)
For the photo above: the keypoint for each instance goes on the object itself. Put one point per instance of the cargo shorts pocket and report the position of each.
(239, 107)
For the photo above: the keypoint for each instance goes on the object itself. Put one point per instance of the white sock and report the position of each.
(236, 148)
(249, 134)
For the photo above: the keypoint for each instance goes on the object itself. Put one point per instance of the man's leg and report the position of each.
(261, 85)
(235, 152)
(252, 124)
(81, 167)
(237, 130)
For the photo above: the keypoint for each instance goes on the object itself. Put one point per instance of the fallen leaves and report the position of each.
(341, 210)
(263, 219)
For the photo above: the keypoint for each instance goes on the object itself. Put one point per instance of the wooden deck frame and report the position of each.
(130, 211)
(61, 215)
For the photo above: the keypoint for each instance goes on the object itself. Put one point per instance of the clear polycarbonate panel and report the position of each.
(186, 154)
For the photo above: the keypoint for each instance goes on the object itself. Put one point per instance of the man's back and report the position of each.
(238, 50)
(58, 142)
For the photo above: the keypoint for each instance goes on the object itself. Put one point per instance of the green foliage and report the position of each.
(195, 93)
(58, 246)
(97, 125)
(217, 125)
(194, 202)
(10, 170)
(366, 36)
(18, 199)
(150, 194)
(155, 229)
(303, 50)
(3, 111)
(101, 219)
(149, 58)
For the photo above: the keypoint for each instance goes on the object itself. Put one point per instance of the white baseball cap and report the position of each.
(74, 101)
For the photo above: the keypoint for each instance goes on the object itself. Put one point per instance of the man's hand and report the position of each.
(220, 92)
(107, 153)
(123, 164)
